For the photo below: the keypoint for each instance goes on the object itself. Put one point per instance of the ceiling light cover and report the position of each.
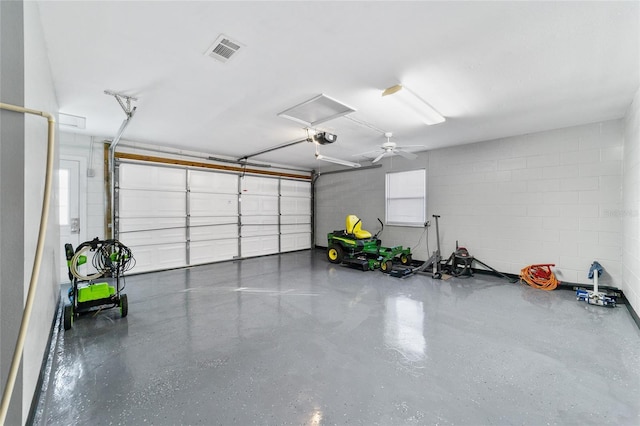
(337, 161)
(422, 108)
(316, 110)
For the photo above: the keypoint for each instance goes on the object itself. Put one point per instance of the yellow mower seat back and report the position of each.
(354, 226)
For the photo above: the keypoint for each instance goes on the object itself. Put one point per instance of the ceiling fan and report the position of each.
(391, 148)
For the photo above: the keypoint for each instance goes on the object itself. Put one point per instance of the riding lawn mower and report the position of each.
(356, 247)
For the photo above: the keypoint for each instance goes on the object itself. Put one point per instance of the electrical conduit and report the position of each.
(37, 261)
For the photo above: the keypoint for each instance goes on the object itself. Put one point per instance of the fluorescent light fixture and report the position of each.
(336, 160)
(418, 105)
(316, 110)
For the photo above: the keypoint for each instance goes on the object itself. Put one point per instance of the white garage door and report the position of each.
(152, 212)
(295, 215)
(213, 216)
(176, 216)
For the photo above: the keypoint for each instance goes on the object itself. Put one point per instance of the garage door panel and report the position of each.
(254, 185)
(213, 251)
(259, 220)
(128, 224)
(220, 183)
(137, 176)
(291, 242)
(259, 246)
(158, 257)
(295, 206)
(255, 230)
(295, 220)
(159, 236)
(295, 188)
(217, 232)
(296, 229)
(139, 203)
(256, 205)
(202, 204)
(213, 220)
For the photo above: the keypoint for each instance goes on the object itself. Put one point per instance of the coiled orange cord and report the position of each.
(539, 276)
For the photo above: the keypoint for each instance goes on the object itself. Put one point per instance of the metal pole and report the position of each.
(284, 145)
(112, 166)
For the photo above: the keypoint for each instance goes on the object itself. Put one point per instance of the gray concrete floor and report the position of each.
(292, 339)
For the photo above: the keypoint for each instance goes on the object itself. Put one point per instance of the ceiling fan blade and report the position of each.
(364, 154)
(337, 161)
(405, 154)
(379, 157)
(410, 146)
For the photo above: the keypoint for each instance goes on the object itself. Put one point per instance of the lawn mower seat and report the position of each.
(354, 226)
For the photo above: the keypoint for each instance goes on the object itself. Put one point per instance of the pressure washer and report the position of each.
(111, 259)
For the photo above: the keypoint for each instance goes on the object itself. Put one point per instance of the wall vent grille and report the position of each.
(224, 48)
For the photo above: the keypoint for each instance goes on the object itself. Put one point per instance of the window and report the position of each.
(406, 198)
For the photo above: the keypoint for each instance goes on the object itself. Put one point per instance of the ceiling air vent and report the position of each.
(224, 48)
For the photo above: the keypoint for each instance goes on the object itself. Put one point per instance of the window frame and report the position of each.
(419, 194)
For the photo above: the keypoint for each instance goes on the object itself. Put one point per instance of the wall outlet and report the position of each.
(91, 172)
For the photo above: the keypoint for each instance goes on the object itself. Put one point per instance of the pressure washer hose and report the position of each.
(37, 261)
(74, 266)
(540, 276)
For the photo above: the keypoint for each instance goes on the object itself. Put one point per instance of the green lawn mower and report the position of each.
(356, 247)
(111, 259)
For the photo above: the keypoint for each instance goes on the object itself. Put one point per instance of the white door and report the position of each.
(71, 207)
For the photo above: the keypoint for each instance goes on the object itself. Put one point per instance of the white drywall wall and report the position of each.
(39, 94)
(631, 185)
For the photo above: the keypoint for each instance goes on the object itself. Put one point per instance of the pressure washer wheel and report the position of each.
(124, 305)
(386, 266)
(67, 316)
(335, 253)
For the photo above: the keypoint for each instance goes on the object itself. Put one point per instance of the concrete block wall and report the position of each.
(630, 213)
(548, 197)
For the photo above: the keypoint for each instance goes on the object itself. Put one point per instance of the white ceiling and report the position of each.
(494, 69)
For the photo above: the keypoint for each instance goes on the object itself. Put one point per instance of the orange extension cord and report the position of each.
(539, 276)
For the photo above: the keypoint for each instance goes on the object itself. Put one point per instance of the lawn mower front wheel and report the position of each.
(335, 253)
(386, 266)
